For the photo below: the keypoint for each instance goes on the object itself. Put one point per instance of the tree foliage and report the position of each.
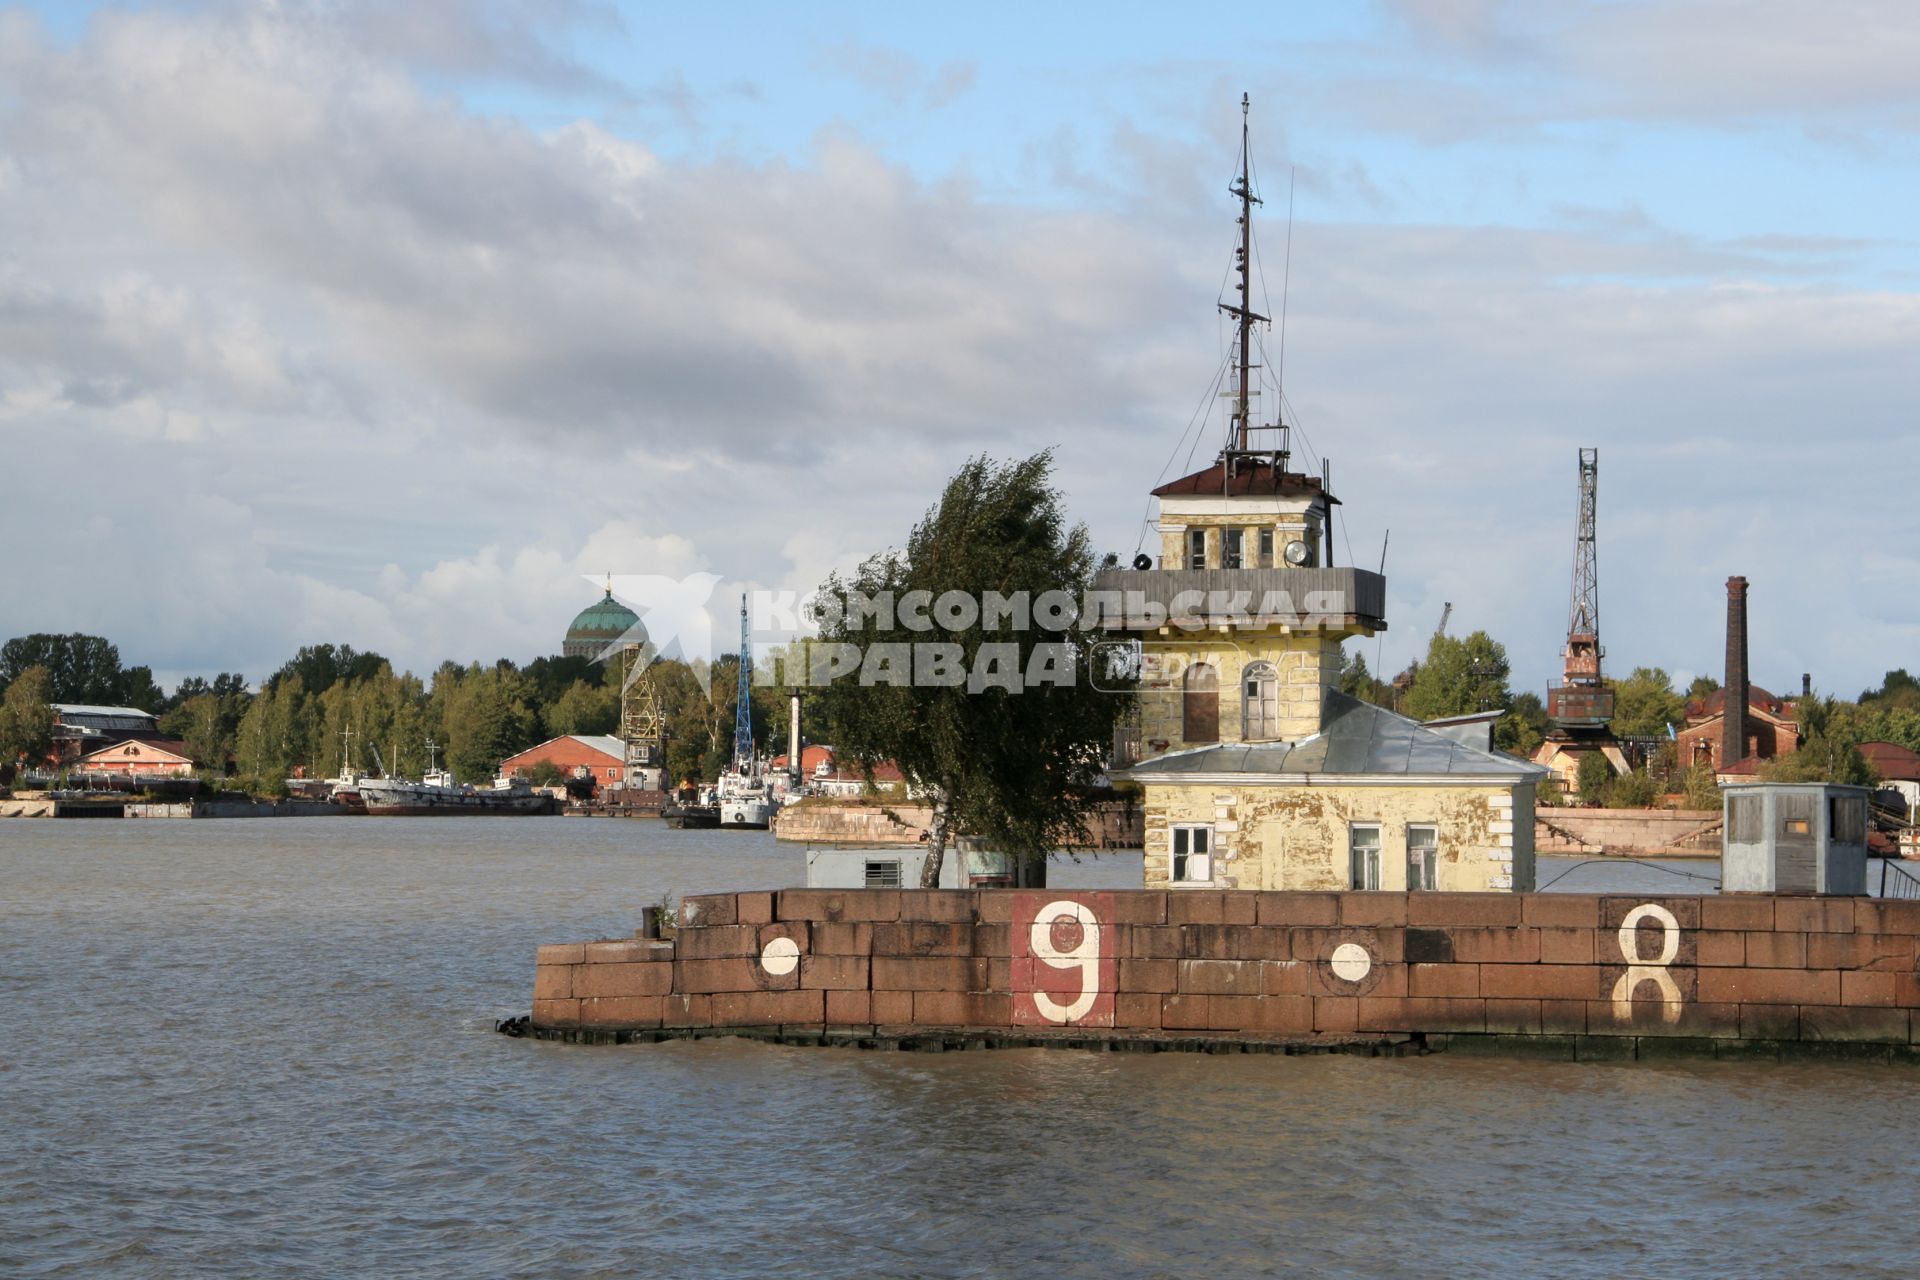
(1645, 704)
(1828, 751)
(80, 668)
(1013, 768)
(1592, 779)
(26, 718)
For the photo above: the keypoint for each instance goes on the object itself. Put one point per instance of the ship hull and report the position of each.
(440, 802)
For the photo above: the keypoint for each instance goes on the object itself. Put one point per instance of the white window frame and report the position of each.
(1362, 869)
(1267, 545)
(1192, 864)
(1196, 548)
(1233, 548)
(1267, 700)
(1428, 877)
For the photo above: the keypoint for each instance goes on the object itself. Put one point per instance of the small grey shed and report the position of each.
(1794, 837)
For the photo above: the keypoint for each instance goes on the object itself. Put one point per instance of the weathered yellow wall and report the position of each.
(1308, 665)
(1287, 526)
(1295, 837)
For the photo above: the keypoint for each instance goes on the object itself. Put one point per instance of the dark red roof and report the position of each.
(1893, 762)
(1251, 478)
(1715, 703)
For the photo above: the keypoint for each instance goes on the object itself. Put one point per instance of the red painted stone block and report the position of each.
(1882, 952)
(1197, 906)
(1545, 981)
(1720, 950)
(1335, 1015)
(893, 1008)
(1285, 978)
(838, 905)
(1883, 1026)
(769, 1008)
(553, 982)
(1813, 915)
(1185, 1013)
(1495, 946)
(928, 973)
(1514, 1017)
(1237, 908)
(938, 905)
(717, 942)
(992, 940)
(1289, 909)
(834, 973)
(1064, 969)
(1137, 1009)
(922, 938)
(1614, 910)
(735, 974)
(1744, 912)
(833, 939)
(682, 1010)
(1775, 950)
(1561, 910)
(1374, 910)
(1770, 1022)
(1385, 946)
(1464, 909)
(994, 906)
(1379, 980)
(1563, 1017)
(849, 1008)
(1140, 906)
(1146, 942)
(706, 910)
(1867, 988)
(1770, 986)
(1428, 1014)
(621, 1011)
(989, 1009)
(556, 1013)
(1566, 946)
(940, 1008)
(1454, 980)
(1886, 915)
(562, 953)
(602, 981)
(1282, 1015)
(1210, 941)
(1220, 977)
(1155, 976)
(1254, 942)
(753, 908)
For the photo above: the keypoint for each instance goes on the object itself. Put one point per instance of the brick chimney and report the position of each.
(1733, 720)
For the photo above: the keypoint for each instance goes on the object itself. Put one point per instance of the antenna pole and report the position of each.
(1242, 188)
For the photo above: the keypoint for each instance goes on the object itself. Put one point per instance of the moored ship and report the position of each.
(438, 794)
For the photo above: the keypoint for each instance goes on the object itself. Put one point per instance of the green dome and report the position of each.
(599, 625)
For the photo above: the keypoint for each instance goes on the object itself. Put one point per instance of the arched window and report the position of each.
(1259, 702)
(1200, 704)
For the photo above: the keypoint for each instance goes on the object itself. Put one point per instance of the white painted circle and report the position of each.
(780, 957)
(1351, 962)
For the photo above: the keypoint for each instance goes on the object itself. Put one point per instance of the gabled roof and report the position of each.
(1357, 739)
(152, 748)
(1758, 699)
(1893, 762)
(604, 743)
(1250, 478)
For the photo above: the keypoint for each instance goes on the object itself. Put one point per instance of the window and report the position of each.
(1233, 547)
(1200, 704)
(1363, 844)
(1196, 548)
(1259, 702)
(1192, 854)
(1847, 820)
(883, 873)
(1423, 856)
(1266, 548)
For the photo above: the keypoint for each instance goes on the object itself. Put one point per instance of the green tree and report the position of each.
(26, 718)
(1592, 779)
(1013, 768)
(487, 719)
(1633, 790)
(1700, 687)
(319, 666)
(1897, 690)
(545, 773)
(1458, 677)
(271, 737)
(1827, 752)
(584, 708)
(208, 724)
(1358, 682)
(1524, 727)
(1645, 705)
(81, 668)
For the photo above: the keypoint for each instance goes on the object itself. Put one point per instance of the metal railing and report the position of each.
(1896, 881)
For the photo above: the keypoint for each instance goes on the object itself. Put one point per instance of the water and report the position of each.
(252, 1048)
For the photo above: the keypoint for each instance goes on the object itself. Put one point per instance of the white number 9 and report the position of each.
(1085, 956)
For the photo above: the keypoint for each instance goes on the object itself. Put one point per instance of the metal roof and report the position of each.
(1250, 478)
(1358, 740)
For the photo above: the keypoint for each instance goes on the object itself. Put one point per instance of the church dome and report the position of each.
(600, 624)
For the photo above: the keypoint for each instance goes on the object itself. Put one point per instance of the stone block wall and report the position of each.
(1279, 966)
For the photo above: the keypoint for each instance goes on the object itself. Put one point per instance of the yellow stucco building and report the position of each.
(1258, 772)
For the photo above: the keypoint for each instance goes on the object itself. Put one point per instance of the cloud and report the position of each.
(897, 76)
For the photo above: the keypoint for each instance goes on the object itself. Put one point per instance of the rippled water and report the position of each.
(265, 1048)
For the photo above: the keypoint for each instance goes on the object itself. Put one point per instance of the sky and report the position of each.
(388, 325)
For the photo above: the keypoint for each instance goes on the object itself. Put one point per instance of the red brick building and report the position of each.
(146, 757)
(602, 757)
(1770, 728)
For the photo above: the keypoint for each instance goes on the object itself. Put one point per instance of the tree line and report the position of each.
(300, 717)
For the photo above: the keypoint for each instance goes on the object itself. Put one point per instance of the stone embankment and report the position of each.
(1664, 833)
(1568, 975)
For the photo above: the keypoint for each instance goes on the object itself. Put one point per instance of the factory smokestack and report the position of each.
(1733, 720)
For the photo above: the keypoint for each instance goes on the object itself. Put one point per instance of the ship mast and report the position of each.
(1244, 315)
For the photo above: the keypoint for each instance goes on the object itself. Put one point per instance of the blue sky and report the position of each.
(415, 313)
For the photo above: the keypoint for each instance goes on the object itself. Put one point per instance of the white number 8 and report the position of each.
(1084, 957)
